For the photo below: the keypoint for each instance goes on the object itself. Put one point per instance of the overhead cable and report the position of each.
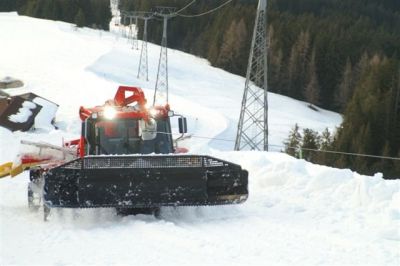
(300, 148)
(183, 8)
(205, 13)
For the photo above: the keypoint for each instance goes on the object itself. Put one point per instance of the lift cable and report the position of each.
(204, 13)
(183, 8)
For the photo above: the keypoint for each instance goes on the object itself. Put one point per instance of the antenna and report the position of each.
(252, 131)
(161, 89)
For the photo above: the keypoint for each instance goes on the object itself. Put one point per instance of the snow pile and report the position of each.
(24, 113)
(296, 213)
(44, 118)
(307, 185)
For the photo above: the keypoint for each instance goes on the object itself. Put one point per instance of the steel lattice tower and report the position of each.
(143, 71)
(122, 24)
(161, 89)
(114, 5)
(130, 33)
(252, 133)
(134, 35)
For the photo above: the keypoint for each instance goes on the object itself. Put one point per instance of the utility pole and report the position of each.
(143, 71)
(161, 89)
(252, 133)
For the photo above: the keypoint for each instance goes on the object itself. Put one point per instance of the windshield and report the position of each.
(117, 136)
(162, 143)
(121, 136)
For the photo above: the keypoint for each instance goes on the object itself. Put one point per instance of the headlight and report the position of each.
(153, 112)
(109, 112)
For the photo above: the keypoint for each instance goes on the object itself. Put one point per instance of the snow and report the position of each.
(23, 113)
(8, 79)
(44, 118)
(297, 212)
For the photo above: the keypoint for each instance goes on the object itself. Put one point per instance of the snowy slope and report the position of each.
(297, 212)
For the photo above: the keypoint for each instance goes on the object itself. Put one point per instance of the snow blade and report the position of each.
(145, 181)
(5, 169)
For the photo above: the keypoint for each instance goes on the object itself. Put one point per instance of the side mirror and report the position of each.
(182, 125)
(148, 130)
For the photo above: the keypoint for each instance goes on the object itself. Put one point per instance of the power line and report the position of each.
(205, 13)
(342, 152)
(290, 147)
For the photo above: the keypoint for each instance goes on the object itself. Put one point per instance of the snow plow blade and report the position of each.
(5, 169)
(145, 181)
(10, 169)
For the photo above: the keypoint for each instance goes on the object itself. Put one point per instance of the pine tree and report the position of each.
(395, 130)
(311, 91)
(297, 64)
(80, 18)
(227, 49)
(310, 143)
(367, 127)
(386, 165)
(275, 61)
(346, 87)
(361, 67)
(293, 142)
(233, 43)
(396, 168)
(326, 140)
(325, 144)
(364, 139)
(8, 5)
(68, 10)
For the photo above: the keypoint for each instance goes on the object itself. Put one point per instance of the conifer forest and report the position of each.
(341, 55)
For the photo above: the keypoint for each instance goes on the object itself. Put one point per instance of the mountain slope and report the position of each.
(297, 212)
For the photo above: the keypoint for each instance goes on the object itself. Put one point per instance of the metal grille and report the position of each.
(170, 161)
(76, 164)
